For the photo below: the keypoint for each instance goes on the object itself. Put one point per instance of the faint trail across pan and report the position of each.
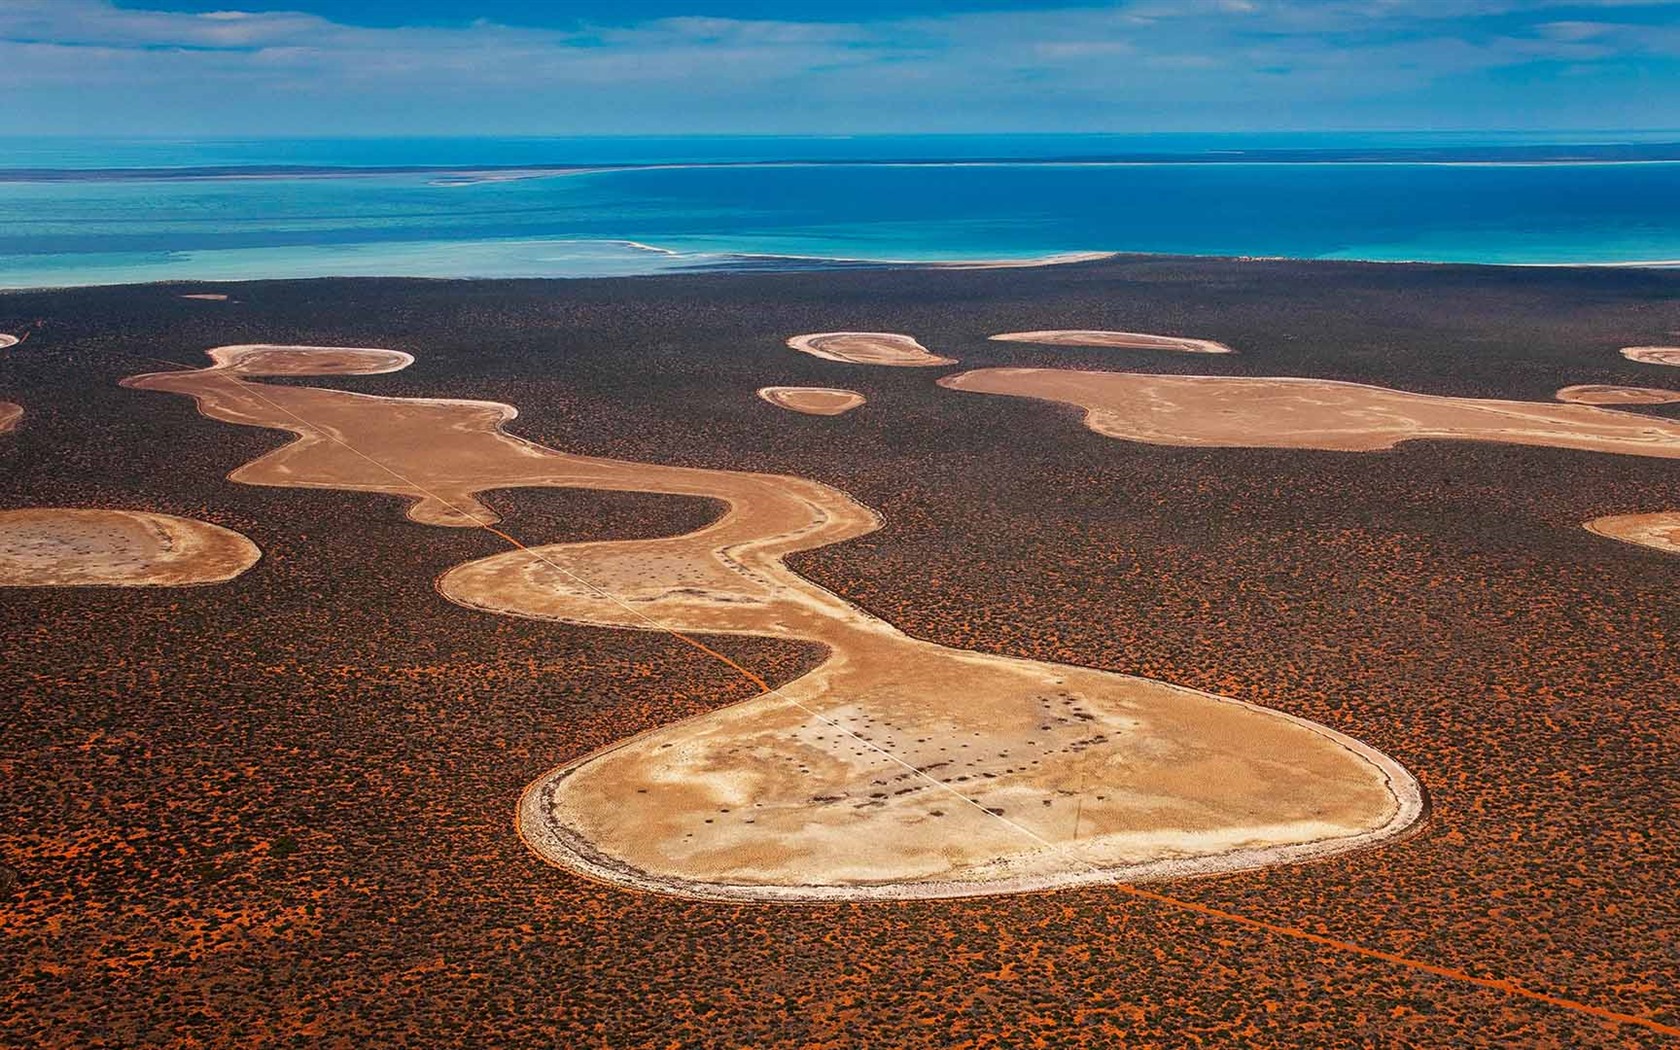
(1503, 985)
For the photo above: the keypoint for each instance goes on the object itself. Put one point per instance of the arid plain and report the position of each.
(282, 805)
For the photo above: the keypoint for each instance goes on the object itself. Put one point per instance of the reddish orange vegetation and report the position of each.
(274, 812)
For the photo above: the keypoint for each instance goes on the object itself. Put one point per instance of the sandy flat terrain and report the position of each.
(1057, 259)
(812, 400)
(1240, 412)
(1605, 394)
(869, 348)
(1653, 355)
(1036, 262)
(1660, 530)
(419, 429)
(67, 547)
(1118, 340)
(212, 297)
(896, 768)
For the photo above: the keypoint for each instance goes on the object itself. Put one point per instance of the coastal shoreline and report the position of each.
(750, 263)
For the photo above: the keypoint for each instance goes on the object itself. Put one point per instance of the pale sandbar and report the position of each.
(1660, 530)
(812, 400)
(1607, 394)
(87, 547)
(1116, 340)
(869, 348)
(1244, 412)
(1653, 355)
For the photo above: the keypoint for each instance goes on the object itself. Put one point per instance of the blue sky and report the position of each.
(570, 67)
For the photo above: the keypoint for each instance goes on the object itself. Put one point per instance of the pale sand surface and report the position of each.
(869, 348)
(1028, 263)
(1118, 340)
(1660, 530)
(1605, 394)
(1240, 412)
(812, 400)
(213, 297)
(1653, 355)
(1058, 259)
(10, 412)
(80, 547)
(897, 768)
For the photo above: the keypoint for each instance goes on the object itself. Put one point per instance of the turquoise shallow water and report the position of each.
(732, 203)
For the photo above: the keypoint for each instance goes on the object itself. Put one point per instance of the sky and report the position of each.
(272, 68)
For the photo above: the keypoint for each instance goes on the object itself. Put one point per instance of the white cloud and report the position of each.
(85, 65)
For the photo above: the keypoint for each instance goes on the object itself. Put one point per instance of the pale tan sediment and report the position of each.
(209, 297)
(1659, 530)
(1653, 355)
(1056, 259)
(86, 547)
(1028, 263)
(812, 400)
(1607, 394)
(418, 428)
(10, 411)
(1242, 412)
(1116, 340)
(869, 348)
(896, 768)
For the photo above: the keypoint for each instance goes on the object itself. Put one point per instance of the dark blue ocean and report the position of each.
(93, 212)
